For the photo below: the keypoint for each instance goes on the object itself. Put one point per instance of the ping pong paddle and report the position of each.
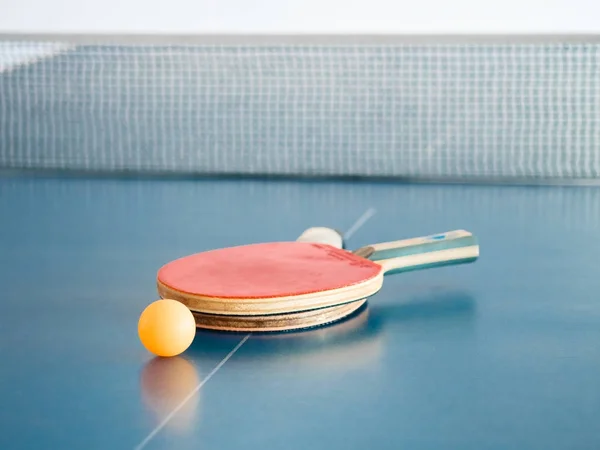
(286, 322)
(291, 277)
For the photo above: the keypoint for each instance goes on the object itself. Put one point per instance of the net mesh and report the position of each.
(406, 110)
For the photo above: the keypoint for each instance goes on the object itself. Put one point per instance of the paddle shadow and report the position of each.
(364, 326)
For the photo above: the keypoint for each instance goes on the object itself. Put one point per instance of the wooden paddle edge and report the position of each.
(271, 306)
(277, 322)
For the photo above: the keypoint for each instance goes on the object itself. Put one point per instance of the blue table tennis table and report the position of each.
(500, 354)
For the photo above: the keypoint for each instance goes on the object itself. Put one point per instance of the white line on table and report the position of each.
(360, 222)
(191, 394)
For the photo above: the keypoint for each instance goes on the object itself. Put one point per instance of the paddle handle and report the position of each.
(443, 249)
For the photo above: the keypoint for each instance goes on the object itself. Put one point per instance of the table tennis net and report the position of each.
(393, 109)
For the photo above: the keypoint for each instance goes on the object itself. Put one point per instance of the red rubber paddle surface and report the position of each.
(267, 270)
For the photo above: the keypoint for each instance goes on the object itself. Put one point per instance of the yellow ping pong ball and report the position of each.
(166, 327)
